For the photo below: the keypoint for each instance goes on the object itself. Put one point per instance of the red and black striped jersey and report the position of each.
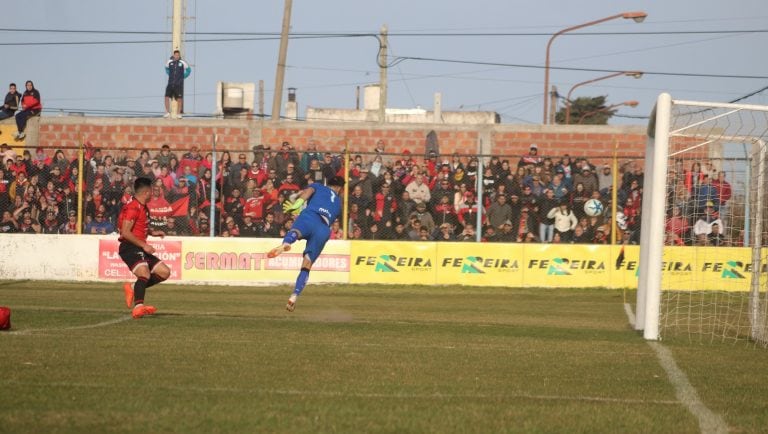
(139, 213)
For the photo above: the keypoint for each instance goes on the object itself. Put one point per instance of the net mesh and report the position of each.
(713, 281)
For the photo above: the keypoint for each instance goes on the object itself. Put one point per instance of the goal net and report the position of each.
(704, 219)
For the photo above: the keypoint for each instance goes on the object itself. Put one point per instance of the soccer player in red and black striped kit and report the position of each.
(149, 270)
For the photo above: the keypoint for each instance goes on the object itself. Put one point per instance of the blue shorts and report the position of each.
(314, 230)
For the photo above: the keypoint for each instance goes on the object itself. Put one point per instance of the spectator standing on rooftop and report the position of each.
(177, 71)
(31, 105)
(11, 103)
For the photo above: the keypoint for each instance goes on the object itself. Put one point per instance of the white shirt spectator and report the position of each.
(418, 190)
(564, 222)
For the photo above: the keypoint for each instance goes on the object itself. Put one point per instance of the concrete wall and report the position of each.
(193, 260)
(500, 139)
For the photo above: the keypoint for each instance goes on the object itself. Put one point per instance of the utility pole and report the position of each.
(176, 40)
(281, 58)
(383, 76)
(261, 99)
(552, 104)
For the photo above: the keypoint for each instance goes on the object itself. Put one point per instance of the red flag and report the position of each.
(180, 208)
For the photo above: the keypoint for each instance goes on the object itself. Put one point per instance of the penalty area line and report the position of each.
(709, 421)
(80, 327)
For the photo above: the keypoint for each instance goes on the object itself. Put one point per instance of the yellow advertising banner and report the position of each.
(707, 268)
(393, 262)
(472, 264)
(566, 266)
(483, 264)
(245, 259)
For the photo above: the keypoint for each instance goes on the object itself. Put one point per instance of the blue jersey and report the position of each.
(325, 203)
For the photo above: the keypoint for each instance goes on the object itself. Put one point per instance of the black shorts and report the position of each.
(133, 256)
(174, 91)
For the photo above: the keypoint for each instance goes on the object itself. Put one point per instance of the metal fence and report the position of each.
(456, 197)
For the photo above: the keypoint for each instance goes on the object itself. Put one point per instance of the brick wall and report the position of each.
(239, 135)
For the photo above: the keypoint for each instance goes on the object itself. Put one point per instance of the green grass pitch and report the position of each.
(353, 359)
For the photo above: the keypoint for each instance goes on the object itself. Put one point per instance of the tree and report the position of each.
(592, 109)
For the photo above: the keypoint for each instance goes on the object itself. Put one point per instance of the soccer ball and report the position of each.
(593, 207)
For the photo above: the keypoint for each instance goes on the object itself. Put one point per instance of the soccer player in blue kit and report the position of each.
(313, 225)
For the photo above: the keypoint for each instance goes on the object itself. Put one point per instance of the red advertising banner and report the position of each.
(112, 267)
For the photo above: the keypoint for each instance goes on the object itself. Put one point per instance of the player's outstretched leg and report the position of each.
(301, 282)
(291, 237)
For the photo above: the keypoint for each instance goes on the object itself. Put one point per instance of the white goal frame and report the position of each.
(653, 210)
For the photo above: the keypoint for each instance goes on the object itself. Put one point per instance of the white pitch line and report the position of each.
(334, 394)
(709, 421)
(81, 327)
(630, 314)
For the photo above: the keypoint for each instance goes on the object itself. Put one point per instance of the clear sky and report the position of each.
(128, 78)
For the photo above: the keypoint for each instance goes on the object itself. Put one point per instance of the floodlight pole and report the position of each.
(638, 17)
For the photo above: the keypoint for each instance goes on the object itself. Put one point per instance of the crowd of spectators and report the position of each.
(391, 196)
(699, 199)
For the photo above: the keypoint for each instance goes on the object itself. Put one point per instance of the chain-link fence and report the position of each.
(455, 197)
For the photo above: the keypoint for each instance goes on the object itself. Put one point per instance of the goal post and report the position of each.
(702, 247)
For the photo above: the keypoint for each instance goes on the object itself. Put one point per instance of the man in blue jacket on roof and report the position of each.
(177, 71)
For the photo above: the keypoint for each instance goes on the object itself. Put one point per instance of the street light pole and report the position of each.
(609, 108)
(638, 17)
(633, 74)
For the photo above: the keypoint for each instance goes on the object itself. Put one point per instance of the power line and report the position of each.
(164, 41)
(400, 59)
(395, 34)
